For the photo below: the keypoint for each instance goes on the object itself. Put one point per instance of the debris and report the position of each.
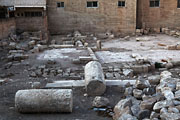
(100, 102)
(123, 106)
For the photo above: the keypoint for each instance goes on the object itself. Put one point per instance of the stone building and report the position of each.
(158, 13)
(31, 15)
(28, 15)
(7, 21)
(93, 16)
(65, 16)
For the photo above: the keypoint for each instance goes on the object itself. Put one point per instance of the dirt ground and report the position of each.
(17, 78)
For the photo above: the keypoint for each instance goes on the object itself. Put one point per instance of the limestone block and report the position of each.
(44, 101)
(94, 78)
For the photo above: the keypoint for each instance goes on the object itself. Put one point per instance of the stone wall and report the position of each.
(167, 15)
(106, 17)
(31, 24)
(6, 27)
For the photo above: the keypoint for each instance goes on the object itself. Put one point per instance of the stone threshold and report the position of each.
(81, 83)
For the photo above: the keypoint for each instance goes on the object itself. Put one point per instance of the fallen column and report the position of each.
(44, 101)
(94, 78)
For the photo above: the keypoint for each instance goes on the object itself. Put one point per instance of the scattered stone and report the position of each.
(128, 72)
(178, 86)
(109, 75)
(2, 81)
(165, 74)
(141, 84)
(162, 104)
(170, 116)
(163, 110)
(149, 91)
(98, 45)
(100, 102)
(148, 104)
(36, 85)
(168, 94)
(177, 95)
(127, 117)
(117, 75)
(122, 107)
(169, 65)
(173, 110)
(143, 114)
(128, 91)
(135, 109)
(154, 115)
(154, 80)
(137, 93)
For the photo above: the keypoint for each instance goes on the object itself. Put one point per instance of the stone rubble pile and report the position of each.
(167, 31)
(153, 99)
(50, 71)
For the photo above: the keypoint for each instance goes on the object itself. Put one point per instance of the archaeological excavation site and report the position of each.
(89, 59)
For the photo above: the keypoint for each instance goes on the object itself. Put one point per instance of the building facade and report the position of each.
(92, 16)
(158, 14)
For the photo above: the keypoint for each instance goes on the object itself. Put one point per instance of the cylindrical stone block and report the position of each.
(94, 78)
(44, 101)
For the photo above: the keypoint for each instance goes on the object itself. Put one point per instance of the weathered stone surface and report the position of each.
(39, 100)
(128, 72)
(173, 110)
(163, 110)
(148, 104)
(177, 95)
(162, 104)
(141, 84)
(178, 86)
(169, 65)
(128, 91)
(149, 90)
(154, 80)
(143, 114)
(109, 75)
(100, 102)
(127, 117)
(36, 85)
(98, 45)
(168, 94)
(94, 78)
(154, 115)
(135, 109)
(165, 74)
(137, 93)
(123, 106)
(170, 116)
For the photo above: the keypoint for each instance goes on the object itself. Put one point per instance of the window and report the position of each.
(3, 13)
(33, 14)
(121, 3)
(92, 4)
(178, 3)
(154, 3)
(60, 4)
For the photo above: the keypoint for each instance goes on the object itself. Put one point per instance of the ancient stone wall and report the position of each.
(7, 26)
(166, 15)
(106, 17)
